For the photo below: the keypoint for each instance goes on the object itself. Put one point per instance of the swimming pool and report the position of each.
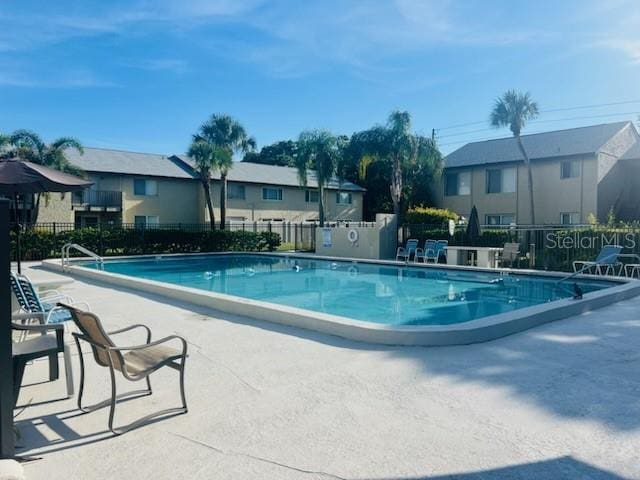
(374, 301)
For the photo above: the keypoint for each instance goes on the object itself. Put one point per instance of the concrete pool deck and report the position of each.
(269, 401)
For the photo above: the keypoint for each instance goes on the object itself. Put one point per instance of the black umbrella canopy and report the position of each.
(22, 177)
(473, 227)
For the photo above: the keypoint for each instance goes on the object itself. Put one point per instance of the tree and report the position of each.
(318, 150)
(280, 153)
(404, 161)
(227, 137)
(514, 109)
(27, 145)
(202, 154)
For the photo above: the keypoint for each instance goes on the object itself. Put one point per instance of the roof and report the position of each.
(102, 160)
(559, 143)
(633, 153)
(247, 172)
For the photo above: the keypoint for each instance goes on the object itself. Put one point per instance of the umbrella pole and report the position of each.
(7, 436)
(18, 228)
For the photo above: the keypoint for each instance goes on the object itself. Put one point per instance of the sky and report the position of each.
(142, 75)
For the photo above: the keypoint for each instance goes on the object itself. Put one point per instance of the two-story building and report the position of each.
(146, 189)
(576, 172)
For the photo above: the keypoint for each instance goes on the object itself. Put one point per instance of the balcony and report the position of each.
(97, 201)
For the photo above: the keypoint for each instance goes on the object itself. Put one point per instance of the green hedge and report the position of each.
(429, 215)
(40, 244)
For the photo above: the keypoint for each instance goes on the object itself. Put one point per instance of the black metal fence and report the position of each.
(545, 247)
(42, 240)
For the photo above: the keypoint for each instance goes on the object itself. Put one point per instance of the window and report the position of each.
(273, 194)
(501, 180)
(569, 169)
(235, 191)
(343, 198)
(311, 196)
(570, 218)
(457, 183)
(145, 187)
(142, 221)
(500, 219)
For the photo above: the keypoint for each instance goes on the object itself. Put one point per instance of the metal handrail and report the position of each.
(66, 249)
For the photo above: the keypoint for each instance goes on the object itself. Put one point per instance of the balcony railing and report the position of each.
(97, 199)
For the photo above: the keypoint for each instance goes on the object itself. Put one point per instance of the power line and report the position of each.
(546, 121)
(565, 109)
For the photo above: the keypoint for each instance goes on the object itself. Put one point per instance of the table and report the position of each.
(485, 256)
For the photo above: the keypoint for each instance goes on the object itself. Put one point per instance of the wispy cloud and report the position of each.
(172, 65)
(20, 78)
(627, 46)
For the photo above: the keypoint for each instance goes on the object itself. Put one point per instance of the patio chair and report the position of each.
(133, 362)
(30, 301)
(440, 251)
(423, 253)
(38, 346)
(605, 263)
(406, 251)
(510, 254)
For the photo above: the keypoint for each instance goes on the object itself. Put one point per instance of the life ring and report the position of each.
(353, 235)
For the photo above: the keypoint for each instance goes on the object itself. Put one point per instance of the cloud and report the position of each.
(172, 65)
(627, 46)
(18, 77)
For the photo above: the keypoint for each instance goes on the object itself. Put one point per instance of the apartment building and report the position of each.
(576, 172)
(146, 189)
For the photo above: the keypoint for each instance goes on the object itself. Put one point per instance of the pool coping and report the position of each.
(474, 331)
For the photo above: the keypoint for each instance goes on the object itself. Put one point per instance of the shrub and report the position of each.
(39, 244)
(429, 215)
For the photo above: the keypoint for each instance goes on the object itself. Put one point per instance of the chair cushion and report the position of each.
(35, 344)
(138, 361)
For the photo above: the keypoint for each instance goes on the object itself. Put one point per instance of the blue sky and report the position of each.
(143, 74)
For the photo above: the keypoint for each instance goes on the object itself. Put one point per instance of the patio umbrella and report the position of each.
(19, 177)
(473, 227)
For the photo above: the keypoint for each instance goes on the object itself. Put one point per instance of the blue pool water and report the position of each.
(385, 294)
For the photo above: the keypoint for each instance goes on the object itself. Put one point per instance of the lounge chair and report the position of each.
(38, 346)
(133, 362)
(406, 251)
(423, 253)
(604, 264)
(440, 251)
(30, 301)
(510, 254)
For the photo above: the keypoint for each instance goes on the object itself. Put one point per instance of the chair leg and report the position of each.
(182, 395)
(81, 388)
(18, 373)
(54, 371)
(68, 371)
(112, 407)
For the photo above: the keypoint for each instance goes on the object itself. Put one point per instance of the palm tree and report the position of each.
(400, 151)
(202, 154)
(514, 109)
(228, 137)
(318, 150)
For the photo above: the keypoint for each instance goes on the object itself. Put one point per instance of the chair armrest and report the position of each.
(152, 344)
(132, 327)
(40, 316)
(37, 328)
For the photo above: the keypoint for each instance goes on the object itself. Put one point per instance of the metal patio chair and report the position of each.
(406, 251)
(134, 363)
(510, 254)
(605, 263)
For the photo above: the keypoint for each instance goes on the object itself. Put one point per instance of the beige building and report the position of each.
(576, 172)
(151, 189)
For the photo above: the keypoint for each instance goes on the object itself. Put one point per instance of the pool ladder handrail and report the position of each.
(66, 249)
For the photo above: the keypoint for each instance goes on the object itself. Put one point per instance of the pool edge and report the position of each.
(474, 331)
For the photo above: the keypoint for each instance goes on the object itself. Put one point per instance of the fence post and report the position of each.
(101, 245)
